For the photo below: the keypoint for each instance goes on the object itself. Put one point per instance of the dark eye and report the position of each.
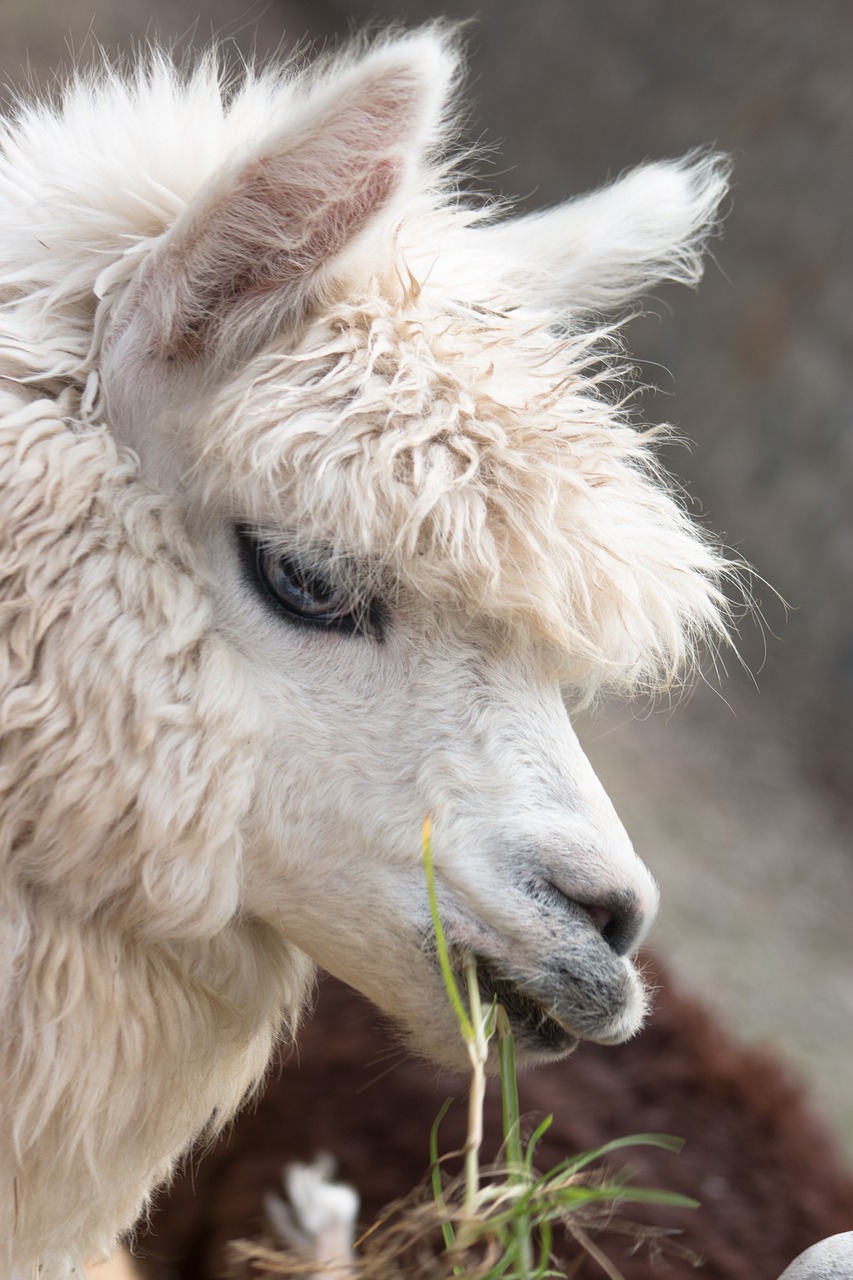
(301, 592)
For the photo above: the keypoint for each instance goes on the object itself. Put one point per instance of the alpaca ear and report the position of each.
(258, 245)
(600, 251)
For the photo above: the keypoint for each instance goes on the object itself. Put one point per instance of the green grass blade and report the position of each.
(509, 1095)
(652, 1195)
(663, 1140)
(443, 957)
(533, 1143)
(517, 1168)
(448, 1234)
(546, 1241)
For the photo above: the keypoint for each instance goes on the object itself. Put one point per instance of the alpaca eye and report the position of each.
(301, 592)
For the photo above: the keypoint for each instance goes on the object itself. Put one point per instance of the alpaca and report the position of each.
(768, 1177)
(317, 519)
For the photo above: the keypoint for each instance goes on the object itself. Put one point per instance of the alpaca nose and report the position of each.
(617, 915)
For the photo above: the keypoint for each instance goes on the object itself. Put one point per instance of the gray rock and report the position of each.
(831, 1259)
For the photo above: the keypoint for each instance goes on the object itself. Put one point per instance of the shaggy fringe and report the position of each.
(550, 514)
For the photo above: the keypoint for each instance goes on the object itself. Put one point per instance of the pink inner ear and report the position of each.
(252, 251)
(313, 225)
(268, 234)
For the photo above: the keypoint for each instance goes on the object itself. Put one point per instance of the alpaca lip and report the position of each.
(532, 1023)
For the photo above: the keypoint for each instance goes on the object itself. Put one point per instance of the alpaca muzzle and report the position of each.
(584, 991)
(560, 968)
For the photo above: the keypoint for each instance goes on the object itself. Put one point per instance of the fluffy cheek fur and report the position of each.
(138, 1007)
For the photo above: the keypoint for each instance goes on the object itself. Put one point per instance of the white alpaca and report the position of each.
(315, 515)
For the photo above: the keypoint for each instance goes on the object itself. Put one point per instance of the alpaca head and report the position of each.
(427, 533)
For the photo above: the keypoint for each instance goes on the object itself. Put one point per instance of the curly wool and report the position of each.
(127, 763)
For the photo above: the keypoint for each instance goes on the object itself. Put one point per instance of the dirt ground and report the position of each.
(754, 859)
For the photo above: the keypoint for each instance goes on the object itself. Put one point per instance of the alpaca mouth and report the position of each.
(533, 1024)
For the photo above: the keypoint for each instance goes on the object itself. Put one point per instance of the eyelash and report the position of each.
(301, 594)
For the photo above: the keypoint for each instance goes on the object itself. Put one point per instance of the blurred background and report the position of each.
(739, 797)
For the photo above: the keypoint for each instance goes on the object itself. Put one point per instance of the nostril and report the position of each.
(603, 919)
(617, 916)
(619, 920)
